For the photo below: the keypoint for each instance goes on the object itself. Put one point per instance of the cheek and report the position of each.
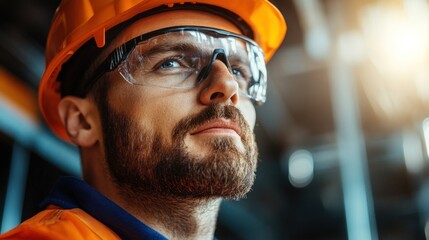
(154, 109)
(159, 116)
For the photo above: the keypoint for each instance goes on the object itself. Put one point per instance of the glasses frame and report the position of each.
(121, 53)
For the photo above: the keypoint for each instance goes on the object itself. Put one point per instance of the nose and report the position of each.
(219, 86)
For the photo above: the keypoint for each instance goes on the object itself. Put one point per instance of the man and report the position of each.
(159, 97)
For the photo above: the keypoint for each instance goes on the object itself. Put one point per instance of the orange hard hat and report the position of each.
(78, 21)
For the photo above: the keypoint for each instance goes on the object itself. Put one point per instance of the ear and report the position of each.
(78, 116)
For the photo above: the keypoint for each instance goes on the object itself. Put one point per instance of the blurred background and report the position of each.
(344, 135)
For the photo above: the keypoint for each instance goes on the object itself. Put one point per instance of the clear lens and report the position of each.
(175, 59)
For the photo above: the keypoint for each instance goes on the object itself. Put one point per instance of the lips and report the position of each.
(218, 125)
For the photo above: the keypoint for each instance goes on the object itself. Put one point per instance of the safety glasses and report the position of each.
(182, 58)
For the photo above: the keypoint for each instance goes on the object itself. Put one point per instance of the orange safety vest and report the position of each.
(57, 223)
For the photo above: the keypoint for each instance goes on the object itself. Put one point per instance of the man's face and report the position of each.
(179, 142)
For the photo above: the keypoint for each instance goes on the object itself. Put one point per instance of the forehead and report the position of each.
(171, 19)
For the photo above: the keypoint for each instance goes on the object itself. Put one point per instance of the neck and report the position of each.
(175, 217)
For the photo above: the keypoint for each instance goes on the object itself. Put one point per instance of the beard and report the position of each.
(141, 163)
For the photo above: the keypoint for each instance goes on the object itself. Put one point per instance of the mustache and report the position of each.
(212, 112)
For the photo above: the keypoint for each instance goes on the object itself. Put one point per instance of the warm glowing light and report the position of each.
(397, 38)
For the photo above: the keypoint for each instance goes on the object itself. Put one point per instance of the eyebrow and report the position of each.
(176, 47)
(239, 56)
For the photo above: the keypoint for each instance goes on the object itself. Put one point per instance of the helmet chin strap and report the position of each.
(218, 54)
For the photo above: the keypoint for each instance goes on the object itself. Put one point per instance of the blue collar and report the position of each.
(71, 192)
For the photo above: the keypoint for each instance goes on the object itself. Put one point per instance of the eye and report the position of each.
(241, 72)
(237, 73)
(171, 63)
